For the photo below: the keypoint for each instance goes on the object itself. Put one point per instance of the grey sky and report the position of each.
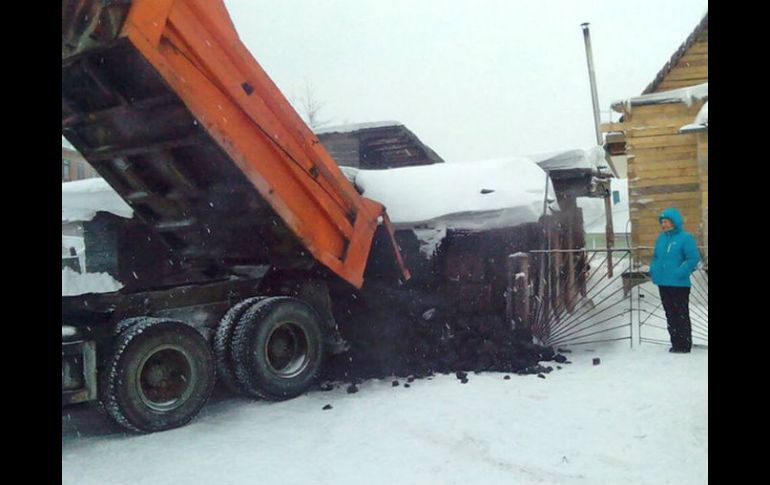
(473, 79)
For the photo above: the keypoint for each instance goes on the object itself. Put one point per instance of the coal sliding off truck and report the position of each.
(166, 103)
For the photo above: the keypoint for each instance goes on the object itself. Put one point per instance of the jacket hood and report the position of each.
(673, 215)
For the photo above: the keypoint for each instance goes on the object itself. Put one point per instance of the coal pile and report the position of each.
(411, 334)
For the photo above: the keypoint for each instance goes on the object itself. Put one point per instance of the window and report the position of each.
(65, 170)
(81, 171)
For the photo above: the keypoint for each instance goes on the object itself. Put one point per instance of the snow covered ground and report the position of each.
(639, 417)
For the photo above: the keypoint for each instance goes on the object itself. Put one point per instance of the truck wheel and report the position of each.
(277, 348)
(158, 376)
(122, 325)
(222, 342)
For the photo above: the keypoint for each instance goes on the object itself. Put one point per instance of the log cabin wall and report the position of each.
(667, 168)
(663, 168)
(703, 167)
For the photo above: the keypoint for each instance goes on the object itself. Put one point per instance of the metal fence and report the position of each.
(650, 317)
(588, 296)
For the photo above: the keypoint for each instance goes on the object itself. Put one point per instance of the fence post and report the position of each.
(634, 334)
(517, 295)
(609, 233)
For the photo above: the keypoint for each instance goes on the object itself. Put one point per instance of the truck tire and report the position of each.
(158, 375)
(277, 348)
(122, 325)
(221, 344)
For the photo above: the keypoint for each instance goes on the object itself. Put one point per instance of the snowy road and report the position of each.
(640, 417)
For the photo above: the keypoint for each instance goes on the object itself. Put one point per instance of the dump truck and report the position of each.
(171, 109)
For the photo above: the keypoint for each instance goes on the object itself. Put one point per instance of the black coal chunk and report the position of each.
(560, 358)
(326, 386)
(507, 378)
(395, 384)
(352, 389)
(328, 406)
(389, 333)
(597, 361)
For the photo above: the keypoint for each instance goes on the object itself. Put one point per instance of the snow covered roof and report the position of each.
(477, 195)
(687, 95)
(700, 123)
(571, 159)
(348, 128)
(82, 199)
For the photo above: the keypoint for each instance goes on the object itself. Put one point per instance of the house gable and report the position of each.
(689, 64)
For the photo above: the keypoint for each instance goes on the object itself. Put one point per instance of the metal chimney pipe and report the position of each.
(592, 78)
(595, 96)
(609, 229)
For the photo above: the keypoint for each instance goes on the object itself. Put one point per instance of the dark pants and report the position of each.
(676, 302)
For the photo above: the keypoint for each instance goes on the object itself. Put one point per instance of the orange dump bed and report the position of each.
(168, 105)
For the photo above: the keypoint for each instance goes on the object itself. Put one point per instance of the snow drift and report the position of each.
(82, 199)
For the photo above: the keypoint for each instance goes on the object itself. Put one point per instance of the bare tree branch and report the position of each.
(311, 106)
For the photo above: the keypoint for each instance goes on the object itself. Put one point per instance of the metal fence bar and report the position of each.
(565, 331)
(698, 313)
(564, 337)
(703, 276)
(651, 314)
(591, 316)
(598, 341)
(607, 285)
(693, 309)
(557, 315)
(558, 342)
(656, 341)
(584, 312)
(699, 325)
(698, 297)
(704, 336)
(698, 309)
(573, 328)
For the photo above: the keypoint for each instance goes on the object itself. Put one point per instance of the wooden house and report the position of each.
(667, 144)
(377, 145)
(73, 165)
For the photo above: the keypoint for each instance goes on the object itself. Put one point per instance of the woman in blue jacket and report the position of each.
(674, 259)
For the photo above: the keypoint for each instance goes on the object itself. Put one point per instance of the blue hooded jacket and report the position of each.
(676, 254)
